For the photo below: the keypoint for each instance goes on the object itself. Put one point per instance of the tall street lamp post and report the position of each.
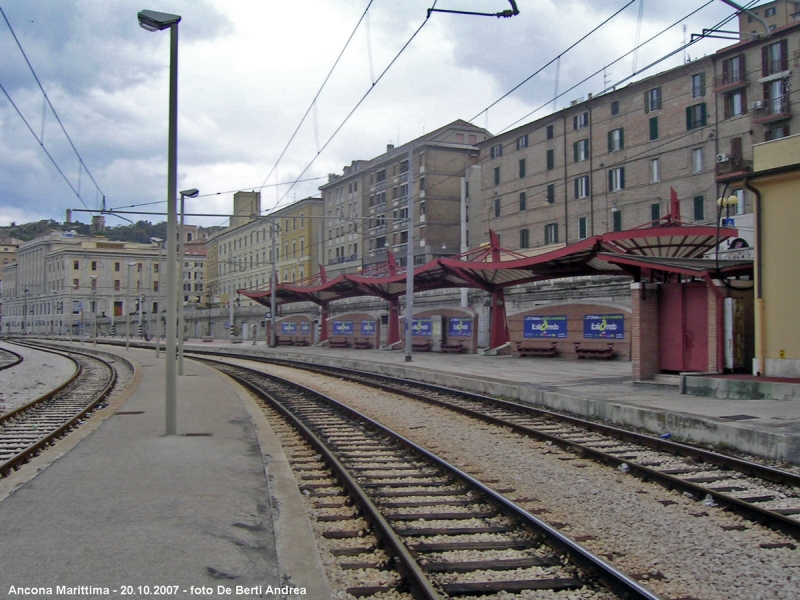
(157, 21)
(127, 308)
(94, 309)
(192, 193)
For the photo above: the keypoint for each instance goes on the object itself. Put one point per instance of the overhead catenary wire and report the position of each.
(40, 139)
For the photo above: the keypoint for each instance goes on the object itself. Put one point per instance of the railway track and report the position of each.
(758, 493)
(26, 431)
(9, 358)
(447, 534)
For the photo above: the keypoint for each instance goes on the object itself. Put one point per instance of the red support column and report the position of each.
(644, 331)
(323, 317)
(499, 334)
(393, 335)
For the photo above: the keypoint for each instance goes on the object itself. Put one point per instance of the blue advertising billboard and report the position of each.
(546, 326)
(367, 327)
(422, 327)
(305, 327)
(342, 328)
(460, 327)
(289, 328)
(610, 327)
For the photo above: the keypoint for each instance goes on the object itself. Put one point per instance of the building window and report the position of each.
(698, 85)
(616, 179)
(655, 170)
(473, 139)
(774, 58)
(522, 168)
(617, 217)
(497, 207)
(580, 121)
(653, 128)
(551, 160)
(582, 233)
(740, 201)
(733, 70)
(522, 142)
(696, 116)
(777, 132)
(582, 186)
(615, 108)
(652, 100)
(776, 97)
(116, 266)
(523, 201)
(655, 212)
(769, 12)
(76, 265)
(116, 285)
(497, 175)
(550, 132)
(697, 160)
(496, 151)
(524, 238)
(551, 233)
(580, 150)
(699, 208)
(551, 193)
(735, 104)
(616, 139)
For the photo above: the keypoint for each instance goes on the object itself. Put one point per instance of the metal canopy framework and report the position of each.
(665, 244)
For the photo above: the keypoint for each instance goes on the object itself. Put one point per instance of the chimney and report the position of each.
(389, 147)
(69, 215)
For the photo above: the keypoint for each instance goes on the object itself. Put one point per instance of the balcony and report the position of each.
(734, 165)
(774, 109)
(730, 82)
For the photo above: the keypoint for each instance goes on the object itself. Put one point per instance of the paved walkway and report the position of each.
(129, 506)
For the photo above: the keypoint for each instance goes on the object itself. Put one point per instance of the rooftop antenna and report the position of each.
(638, 32)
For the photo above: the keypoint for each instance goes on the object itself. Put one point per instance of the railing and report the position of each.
(734, 165)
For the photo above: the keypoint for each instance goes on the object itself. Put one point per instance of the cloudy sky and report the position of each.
(249, 70)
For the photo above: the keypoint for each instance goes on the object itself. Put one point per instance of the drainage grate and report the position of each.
(738, 417)
(197, 434)
(129, 412)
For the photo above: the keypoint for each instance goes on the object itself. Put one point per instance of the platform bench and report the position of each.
(421, 346)
(594, 351)
(456, 348)
(339, 343)
(300, 342)
(362, 344)
(285, 342)
(530, 349)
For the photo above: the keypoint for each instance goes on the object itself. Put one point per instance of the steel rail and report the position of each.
(14, 363)
(606, 574)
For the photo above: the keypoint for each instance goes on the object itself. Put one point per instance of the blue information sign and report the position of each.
(460, 327)
(289, 328)
(422, 327)
(367, 327)
(305, 327)
(604, 327)
(342, 328)
(546, 326)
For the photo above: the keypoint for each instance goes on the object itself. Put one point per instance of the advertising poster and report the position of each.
(368, 328)
(288, 328)
(342, 328)
(460, 327)
(608, 327)
(546, 326)
(423, 327)
(305, 328)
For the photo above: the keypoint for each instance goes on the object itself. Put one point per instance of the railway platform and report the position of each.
(118, 509)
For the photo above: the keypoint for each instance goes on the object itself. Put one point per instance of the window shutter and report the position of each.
(703, 83)
(575, 150)
(726, 71)
(688, 117)
(784, 55)
(647, 102)
(654, 128)
(621, 138)
(703, 114)
(742, 69)
(610, 142)
(575, 122)
(610, 180)
(576, 189)
(622, 178)
(764, 61)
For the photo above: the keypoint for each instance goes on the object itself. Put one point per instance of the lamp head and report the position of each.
(156, 21)
(155, 240)
(192, 193)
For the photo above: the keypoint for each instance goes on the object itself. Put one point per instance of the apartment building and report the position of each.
(366, 208)
(242, 256)
(607, 163)
(772, 15)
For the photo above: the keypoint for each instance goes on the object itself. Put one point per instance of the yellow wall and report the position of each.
(778, 251)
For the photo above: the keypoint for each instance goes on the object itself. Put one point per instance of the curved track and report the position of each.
(421, 508)
(29, 429)
(9, 358)
(762, 494)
